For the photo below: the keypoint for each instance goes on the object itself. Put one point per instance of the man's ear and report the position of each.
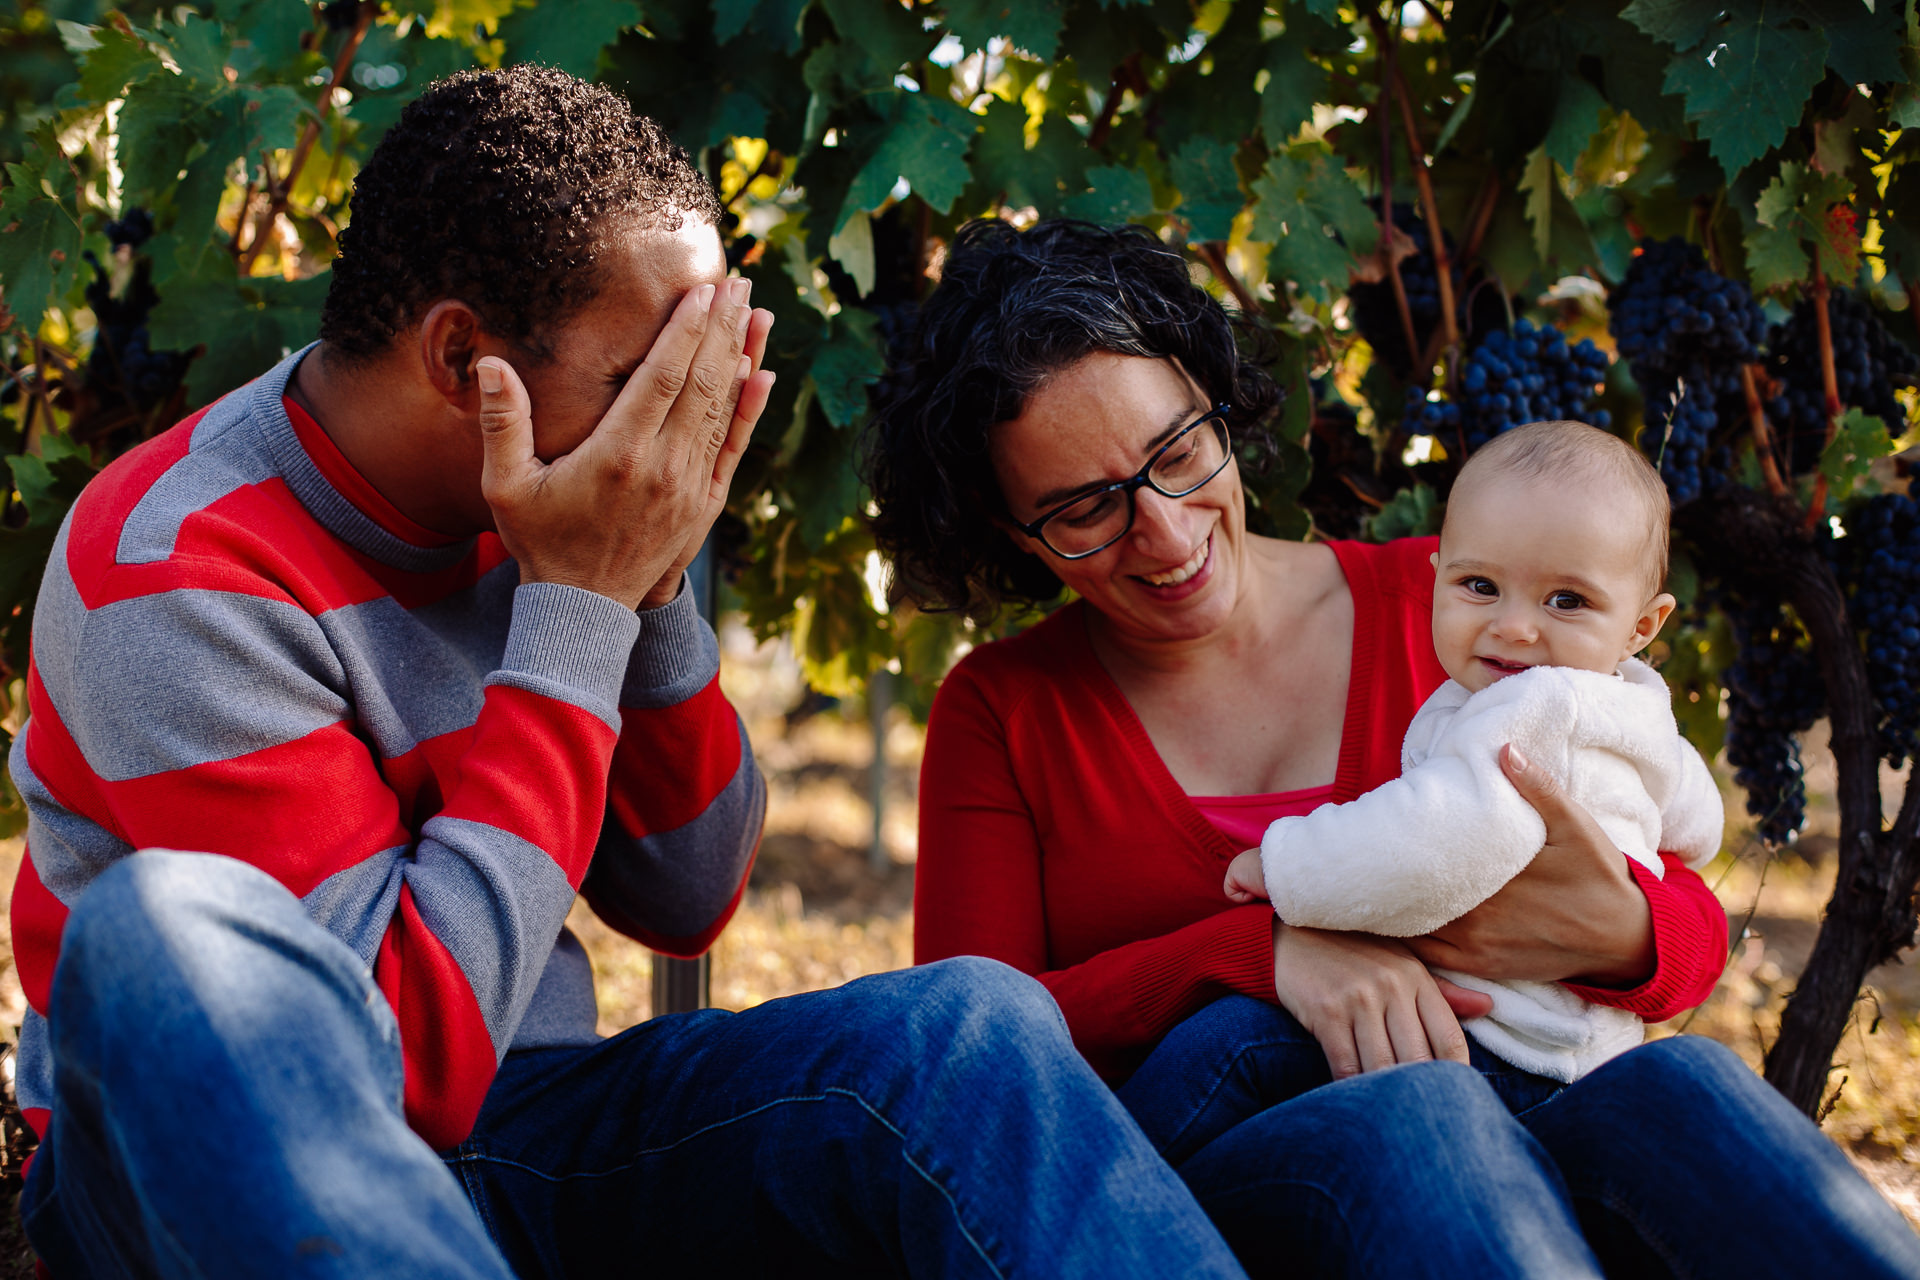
(450, 342)
(1652, 617)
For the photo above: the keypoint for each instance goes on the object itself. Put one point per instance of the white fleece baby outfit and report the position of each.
(1437, 841)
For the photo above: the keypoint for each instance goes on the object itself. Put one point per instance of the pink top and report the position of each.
(1244, 819)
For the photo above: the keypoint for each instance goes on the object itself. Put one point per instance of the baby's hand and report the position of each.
(1245, 882)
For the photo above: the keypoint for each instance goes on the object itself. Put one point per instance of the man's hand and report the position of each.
(1575, 911)
(626, 511)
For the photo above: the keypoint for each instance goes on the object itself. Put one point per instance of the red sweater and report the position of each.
(1053, 838)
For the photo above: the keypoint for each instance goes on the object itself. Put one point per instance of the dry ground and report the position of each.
(817, 914)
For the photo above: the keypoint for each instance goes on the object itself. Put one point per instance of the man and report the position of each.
(396, 639)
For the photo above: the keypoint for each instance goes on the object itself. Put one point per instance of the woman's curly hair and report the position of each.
(499, 188)
(1012, 309)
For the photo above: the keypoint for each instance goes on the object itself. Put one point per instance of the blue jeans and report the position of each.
(1673, 1159)
(227, 1088)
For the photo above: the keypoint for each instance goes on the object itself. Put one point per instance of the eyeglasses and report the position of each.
(1095, 521)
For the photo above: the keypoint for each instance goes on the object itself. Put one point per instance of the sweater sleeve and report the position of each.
(219, 722)
(685, 801)
(979, 890)
(1689, 940)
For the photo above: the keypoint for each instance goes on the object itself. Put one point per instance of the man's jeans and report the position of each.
(1673, 1159)
(227, 1104)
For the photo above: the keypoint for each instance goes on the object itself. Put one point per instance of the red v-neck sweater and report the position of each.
(1053, 838)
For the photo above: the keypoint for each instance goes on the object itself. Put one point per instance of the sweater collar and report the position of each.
(335, 494)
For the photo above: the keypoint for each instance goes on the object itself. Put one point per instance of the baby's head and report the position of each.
(1554, 553)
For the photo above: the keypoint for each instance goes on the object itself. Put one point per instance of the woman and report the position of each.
(1068, 413)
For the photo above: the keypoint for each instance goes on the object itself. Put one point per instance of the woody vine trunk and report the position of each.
(1759, 543)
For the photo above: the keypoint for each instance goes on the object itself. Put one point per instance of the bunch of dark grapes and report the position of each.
(1672, 312)
(1868, 363)
(132, 231)
(1685, 331)
(1774, 693)
(1683, 413)
(1377, 315)
(122, 360)
(1882, 569)
(1531, 374)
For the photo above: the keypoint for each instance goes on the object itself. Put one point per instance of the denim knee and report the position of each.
(156, 899)
(973, 990)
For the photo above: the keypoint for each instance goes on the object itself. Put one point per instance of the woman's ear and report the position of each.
(1652, 617)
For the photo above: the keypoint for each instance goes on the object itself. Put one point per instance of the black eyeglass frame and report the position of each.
(1141, 479)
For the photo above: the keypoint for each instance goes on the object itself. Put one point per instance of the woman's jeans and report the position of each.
(1673, 1159)
(227, 1104)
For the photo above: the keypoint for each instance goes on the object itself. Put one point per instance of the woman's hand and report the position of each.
(1368, 1001)
(1575, 912)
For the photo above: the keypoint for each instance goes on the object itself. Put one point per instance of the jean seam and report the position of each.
(825, 1095)
(1219, 1083)
(1648, 1236)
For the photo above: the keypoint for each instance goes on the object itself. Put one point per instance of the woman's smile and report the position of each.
(1191, 576)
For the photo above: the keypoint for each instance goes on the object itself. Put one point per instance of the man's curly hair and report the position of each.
(500, 188)
(1012, 309)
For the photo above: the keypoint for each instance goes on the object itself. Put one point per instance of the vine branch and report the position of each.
(1214, 254)
(1384, 111)
(1389, 43)
(282, 188)
(1829, 384)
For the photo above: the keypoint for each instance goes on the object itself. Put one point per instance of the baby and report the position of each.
(1548, 581)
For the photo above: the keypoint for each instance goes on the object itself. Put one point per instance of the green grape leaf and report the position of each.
(1410, 513)
(846, 364)
(201, 50)
(1295, 82)
(1537, 180)
(157, 129)
(1806, 204)
(852, 248)
(1209, 188)
(730, 18)
(1040, 177)
(889, 34)
(40, 240)
(271, 29)
(921, 147)
(1305, 207)
(1863, 44)
(1747, 82)
(568, 36)
(1862, 437)
(1032, 25)
(114, 61)
(1118, 195)
(1327, 11)
(1775, 258)
(245, 327)
(826, 483)
(241, 125)
(1680, 23)
(49, 483)
(1575, 117)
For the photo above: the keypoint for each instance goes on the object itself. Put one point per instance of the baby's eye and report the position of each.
(1481, 586)
(1567, 600)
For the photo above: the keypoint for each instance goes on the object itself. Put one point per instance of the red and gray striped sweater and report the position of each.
(242, 648)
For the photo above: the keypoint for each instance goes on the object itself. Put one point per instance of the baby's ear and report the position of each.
(1652, 617)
